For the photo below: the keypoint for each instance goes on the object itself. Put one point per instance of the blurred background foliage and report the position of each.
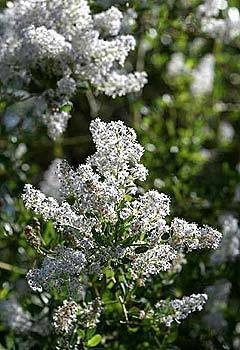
(192, 152)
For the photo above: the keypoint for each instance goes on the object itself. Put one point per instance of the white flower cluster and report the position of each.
(229, 248)
(105, 221)
(191, 237)
(89, 313)
(56, 122)
(65, 317)
(66, 264)
(225, 27)
(50, 48)
(70, 313)
(178, 309)
(153, 261)
(202, 76)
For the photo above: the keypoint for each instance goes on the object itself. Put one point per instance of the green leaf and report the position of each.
(90, 333)
(94, 341)
(66, 108)
(81, 333)
(128, 197)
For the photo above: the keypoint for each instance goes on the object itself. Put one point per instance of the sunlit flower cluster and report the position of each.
(178, 309)
(106, 222)
(65, 316)
(68, 47)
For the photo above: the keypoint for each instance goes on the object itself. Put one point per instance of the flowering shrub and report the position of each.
(109, 232)
(88, 288)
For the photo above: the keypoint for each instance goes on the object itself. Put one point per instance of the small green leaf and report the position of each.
(90, 333)
(81, 333)
(128, 198)
(94, 341)
(109, 272)
(66, 108)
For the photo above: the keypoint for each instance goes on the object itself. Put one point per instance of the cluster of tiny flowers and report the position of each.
(67, 45)
(153, 261)
(178, 309)
(89, 314)
(225, 27)
(105, 221)
(202, 77)
(70, 313)
(229, 248)
(65, 317)
(65, 264)
(191, 237)
(49, 208)
(56, 122)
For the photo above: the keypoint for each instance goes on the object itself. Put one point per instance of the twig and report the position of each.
(124, 308)
(9, 267)
(94, 107)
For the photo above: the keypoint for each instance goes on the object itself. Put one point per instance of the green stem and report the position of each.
(9, 267)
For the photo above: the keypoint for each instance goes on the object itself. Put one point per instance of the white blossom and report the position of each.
(58, 270)
(65, 317)
(117, 84)
(147, 213)
(178, 309)
(39, 45)
(66, 86)
(212, 7)
(191, 236)
(105, 220)
(61, 46)
(153, 261)
(109, 21)
(48, 207)
(117, 155)
(56, 122)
